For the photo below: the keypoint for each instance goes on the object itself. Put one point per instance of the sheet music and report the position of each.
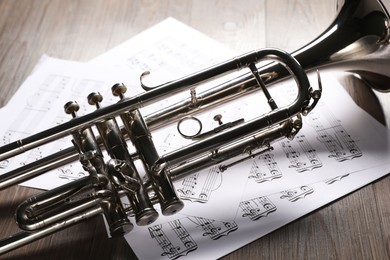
(339, 149)
(257, 216)
(55, 82)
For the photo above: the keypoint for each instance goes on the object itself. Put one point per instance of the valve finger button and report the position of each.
(94, 99)
(71, 108)
(118, 90)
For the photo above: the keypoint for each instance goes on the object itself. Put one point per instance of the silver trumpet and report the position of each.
(355, 42)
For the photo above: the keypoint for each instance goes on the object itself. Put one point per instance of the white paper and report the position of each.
(193, 237)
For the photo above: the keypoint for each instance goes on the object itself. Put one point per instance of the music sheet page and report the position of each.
(340, 148)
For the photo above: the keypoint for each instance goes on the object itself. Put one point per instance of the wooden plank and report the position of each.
(293, 24)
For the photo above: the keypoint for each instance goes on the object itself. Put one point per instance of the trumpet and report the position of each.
(353, 42)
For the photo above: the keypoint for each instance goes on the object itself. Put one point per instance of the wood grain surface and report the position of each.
(355, 227)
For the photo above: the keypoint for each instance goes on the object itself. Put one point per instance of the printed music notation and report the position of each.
(257, 208)
(214, 229)
(302, 157)
(256, 217)
(174, 237)
(83, 86)
(175, 241)
(332, 134)
(199, 186)
(32, 155)
(297, 193)
(48, 93)
(153, 59)
(265, 168)
(185, 237)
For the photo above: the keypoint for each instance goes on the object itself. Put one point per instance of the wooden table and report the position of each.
(355, 227)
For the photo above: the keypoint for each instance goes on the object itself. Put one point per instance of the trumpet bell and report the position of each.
(357, 42)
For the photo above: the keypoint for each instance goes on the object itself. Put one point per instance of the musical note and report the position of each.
(167, 143)
(265, 168)
(214, 229)
(175, 241)
(199, 186)
(8, 137)
(83, 86)
(188, 186)
(332, 134)
(293, 195)
(33, 155)
(48, 93)
(257, 208)
(301, 155)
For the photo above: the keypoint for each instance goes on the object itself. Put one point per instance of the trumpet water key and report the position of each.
(355, 42)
